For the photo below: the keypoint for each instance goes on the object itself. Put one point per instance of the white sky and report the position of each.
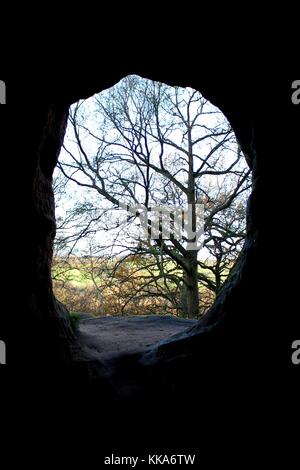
(74, 193)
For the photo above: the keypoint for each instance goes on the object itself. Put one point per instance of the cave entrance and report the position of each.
(130, 279)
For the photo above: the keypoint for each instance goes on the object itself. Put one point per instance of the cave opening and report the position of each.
(139, 144)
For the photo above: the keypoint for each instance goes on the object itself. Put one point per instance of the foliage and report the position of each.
(75, 320)
(107, 287)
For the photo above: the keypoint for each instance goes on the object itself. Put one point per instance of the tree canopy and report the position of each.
(144, 144)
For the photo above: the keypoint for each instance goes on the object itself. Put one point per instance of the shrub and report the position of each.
(75, 320)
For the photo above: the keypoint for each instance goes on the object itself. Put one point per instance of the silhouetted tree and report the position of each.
(143, 143)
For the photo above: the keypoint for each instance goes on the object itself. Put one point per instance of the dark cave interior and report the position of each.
(235, 338)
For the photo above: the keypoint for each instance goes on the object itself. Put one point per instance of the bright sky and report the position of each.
(76, 194)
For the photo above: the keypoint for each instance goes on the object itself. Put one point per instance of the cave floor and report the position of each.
(109, 338)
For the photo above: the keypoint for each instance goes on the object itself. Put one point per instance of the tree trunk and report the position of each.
(191, 275)
(192, 291)
(189, 301)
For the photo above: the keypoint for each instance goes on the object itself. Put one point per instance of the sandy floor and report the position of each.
(109, 337)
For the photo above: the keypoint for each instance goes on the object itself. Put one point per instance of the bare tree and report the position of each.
(143, 143)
